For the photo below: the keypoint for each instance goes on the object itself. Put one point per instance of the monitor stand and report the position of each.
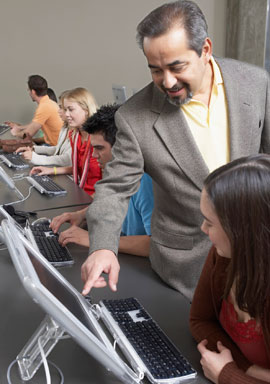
(47, 335)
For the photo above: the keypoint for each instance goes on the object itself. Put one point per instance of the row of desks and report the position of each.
(20, 316)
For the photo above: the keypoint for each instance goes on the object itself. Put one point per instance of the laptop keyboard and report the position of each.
(160, 357)
(47, 242)
(13, 160)
(44, 184)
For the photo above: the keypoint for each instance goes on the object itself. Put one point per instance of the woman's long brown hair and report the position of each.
(240, 194)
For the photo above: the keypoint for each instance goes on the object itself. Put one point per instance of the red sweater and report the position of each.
(204, 319)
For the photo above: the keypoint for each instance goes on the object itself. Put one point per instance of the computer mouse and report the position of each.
(42, 221)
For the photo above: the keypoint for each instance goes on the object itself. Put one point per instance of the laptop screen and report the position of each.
(61, 291)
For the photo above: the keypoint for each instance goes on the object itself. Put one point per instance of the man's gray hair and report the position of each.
(181, 13)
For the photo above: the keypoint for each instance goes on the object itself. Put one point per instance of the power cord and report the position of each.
(25, 198)
(45, 364)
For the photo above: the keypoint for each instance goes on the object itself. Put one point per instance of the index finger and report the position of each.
(93, 277)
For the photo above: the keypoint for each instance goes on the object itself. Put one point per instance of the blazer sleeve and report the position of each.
(205, 308)
(265, 137)
(120, 181)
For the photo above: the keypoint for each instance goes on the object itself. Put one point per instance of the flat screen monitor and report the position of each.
(62, 302)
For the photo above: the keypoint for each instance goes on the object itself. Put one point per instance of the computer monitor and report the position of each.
(9, 182)
(119, 93)
(63, 303)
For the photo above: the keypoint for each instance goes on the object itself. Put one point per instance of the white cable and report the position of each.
(50, 362)
(25, 198)
(45, 362)
(19, 176)
(9, 369)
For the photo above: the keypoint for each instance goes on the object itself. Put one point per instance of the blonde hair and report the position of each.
(83, 97)
(61, 98)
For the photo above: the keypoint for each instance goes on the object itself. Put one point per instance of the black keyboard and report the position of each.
(44, 184)
(4, 128)
(161, 358)
(13, 160)
(47, 242)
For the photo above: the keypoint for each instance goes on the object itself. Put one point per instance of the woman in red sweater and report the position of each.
(78, 105)
(230, 312)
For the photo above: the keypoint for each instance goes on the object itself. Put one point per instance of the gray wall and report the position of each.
(89, 43)
(246, 30)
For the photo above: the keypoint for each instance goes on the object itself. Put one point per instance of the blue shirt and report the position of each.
(138, 218)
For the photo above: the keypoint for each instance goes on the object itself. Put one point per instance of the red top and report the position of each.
(94, 172)
(247, 336)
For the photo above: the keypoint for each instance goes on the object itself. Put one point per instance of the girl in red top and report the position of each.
(78, 104)
(230, 312)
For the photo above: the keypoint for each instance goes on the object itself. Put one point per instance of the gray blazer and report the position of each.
(153, 136)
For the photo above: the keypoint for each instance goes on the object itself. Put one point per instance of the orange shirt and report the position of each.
(47, 115)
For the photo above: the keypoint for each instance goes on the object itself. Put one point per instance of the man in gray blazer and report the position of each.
(155, 136)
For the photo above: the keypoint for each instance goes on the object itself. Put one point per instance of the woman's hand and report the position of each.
(42, 171)
(213, 362)
(27, 154)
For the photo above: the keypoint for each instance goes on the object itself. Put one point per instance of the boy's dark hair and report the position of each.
(51, 94)
(38, 84)
(103, 122)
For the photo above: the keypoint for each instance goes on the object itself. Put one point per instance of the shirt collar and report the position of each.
(217, 74)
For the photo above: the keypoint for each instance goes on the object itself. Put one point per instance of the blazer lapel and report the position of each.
(239, 105)
(171, 126)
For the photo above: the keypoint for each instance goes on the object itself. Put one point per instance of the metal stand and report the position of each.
(29, 359)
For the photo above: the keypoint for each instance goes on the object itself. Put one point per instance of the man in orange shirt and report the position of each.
(46, 116)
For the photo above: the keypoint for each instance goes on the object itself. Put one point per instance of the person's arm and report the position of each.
(142, 202)
(31, 128)
(135, 245)
(107, 212)
(204, 322)
(63, 160)
(51, 171)
(44, 149)
(59, 155)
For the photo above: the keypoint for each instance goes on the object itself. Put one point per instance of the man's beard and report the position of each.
(177, 101)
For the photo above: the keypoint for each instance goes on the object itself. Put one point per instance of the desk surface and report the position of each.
(37, 201)
(21, 317)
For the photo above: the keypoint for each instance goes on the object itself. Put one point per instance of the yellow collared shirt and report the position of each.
(209, 125)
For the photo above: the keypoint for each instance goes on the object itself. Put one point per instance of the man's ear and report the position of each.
(207, 49)
(33, 93)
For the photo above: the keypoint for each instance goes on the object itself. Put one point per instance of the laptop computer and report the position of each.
(82, 320)
(63, 303)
